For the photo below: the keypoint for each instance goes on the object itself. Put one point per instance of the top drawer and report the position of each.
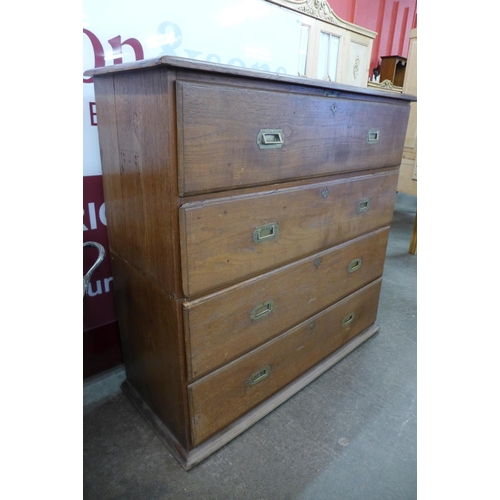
(231, 137)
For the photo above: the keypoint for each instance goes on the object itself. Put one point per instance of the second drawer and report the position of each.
(227, 240)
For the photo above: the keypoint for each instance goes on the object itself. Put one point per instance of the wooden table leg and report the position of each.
(413, 241)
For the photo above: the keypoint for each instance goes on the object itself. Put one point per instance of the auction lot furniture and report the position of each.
(248, 215)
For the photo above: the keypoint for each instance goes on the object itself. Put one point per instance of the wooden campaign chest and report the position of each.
(248, 216)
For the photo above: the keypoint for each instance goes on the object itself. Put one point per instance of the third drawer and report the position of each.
(227, 324)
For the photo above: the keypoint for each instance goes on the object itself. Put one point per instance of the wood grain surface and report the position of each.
(218, 127)
(219, 328)
(231, 261)
(224, 395)
(217, 243)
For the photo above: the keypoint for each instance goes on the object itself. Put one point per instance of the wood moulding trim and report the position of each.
(183, 63)
(189, 459)
(385, 85)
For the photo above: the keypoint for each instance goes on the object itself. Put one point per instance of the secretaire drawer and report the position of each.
(230, 239)
(219, 398)
(227, 324)
(229, 137)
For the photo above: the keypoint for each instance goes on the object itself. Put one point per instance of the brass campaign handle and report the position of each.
(262, 310)
(364, 205)
(348, 319)
(270, 138)
(373, 136)
(258, 376)
(354, 265)
(266, 232)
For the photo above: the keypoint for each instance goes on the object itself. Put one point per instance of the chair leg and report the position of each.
(413, 241)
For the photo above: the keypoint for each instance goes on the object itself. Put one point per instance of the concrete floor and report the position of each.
(351, 434)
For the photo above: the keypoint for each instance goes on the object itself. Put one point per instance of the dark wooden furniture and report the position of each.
(393, 68)
(248, 215)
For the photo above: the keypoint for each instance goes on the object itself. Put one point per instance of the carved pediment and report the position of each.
(316, 8)
(320, 9)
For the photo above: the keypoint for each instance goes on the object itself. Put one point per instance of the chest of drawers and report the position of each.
(248, 215)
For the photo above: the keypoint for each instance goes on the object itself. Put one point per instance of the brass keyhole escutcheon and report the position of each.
(325, 193)
(317, 262)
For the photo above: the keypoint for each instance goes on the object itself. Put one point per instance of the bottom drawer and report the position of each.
(226, 394)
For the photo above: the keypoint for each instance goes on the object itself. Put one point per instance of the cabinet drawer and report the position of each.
(227, 240)
(225, 325)
(229, 137)
(221, 397)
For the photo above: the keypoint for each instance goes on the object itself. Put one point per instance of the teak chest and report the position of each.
(248, 215)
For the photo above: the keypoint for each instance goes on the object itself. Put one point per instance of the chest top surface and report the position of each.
(182, 63)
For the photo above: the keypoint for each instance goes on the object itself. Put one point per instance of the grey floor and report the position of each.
(351, 434)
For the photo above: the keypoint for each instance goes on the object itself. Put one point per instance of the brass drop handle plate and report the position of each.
(270, 138)
(266, 232)
(259, 376)
(262, 310)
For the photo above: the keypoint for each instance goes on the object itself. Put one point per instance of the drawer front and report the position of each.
(228, 393)
(229, 137)
(227, 240)
(230, 323)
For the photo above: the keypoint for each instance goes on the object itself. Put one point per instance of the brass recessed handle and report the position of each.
(262, 310)
(266, 232)
(348, 319)
(373, 136)
(270, 138)
(354, 265)
(364, 205)
(259, 376)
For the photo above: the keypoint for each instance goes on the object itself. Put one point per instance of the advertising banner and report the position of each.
(251, 34)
